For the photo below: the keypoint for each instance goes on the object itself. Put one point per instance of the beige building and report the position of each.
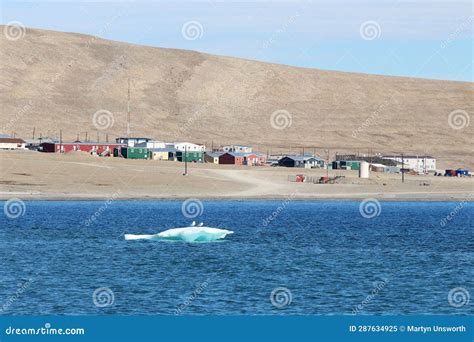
(168, 153)
(12, 144)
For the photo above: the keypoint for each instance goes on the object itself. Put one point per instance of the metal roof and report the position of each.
(409, 157)
(241, 154)
(163, 149)
(302, 158)
(82, 143)
(215, 154)
(133, 138)
(11, 140)
(237, 146)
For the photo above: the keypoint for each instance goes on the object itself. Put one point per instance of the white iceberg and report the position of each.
(187, 234)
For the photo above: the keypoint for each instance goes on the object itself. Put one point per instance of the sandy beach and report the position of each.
(43, 176)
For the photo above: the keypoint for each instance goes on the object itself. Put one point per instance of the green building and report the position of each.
(135, 152)
(346, 165)
(190, 156)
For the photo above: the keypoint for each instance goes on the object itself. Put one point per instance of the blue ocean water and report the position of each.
(315, 257)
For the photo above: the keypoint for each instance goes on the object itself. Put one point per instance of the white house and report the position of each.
(237, 148)
(12, 144)
(417, 163)
(132, 142)
(155, 144)
(190, 147)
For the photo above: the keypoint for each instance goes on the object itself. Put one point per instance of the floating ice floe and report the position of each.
(188, 234)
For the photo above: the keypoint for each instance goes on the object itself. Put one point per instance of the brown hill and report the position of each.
(53, 80)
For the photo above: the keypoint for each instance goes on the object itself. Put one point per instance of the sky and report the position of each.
(419, 38)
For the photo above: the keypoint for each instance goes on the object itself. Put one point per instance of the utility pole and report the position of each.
(327, 163)
(34, 128)
(403, 169)
(107, 137)
(97, 136)
(185, 160)
(86, 136)
(60, 141)
(40, 138)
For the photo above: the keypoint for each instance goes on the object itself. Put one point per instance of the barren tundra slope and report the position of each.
(53, 80)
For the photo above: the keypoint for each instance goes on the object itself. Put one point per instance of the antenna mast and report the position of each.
(128, 110)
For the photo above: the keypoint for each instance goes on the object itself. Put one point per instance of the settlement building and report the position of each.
(232, 158)
(417, 163)
(134, 152)
(131, 142)
(193, 156)
(154, 144)
(190, 147)
(91, 147)
(167, 153)
(12, 144)
(377, 167)
(255, 159)
(237, 148)
(237, 158)
(301, 161)
(212, 157)
(346, 164)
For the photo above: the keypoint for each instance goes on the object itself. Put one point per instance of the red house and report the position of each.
(254, 159)
(236, 158)
(232, 158)
(80, 146)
